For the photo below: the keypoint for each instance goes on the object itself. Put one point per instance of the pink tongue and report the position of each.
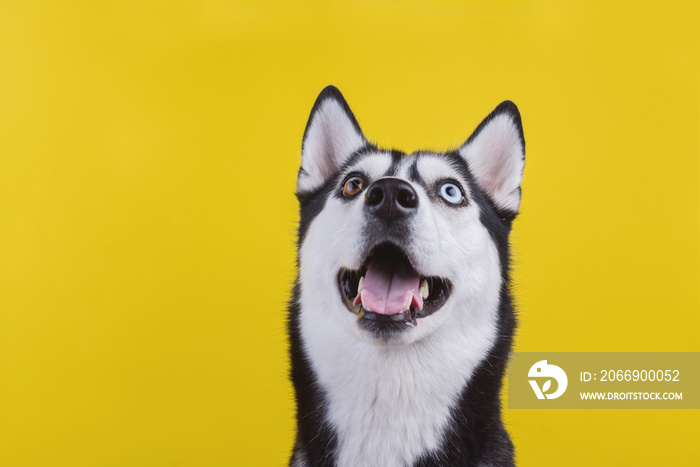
(389, 286)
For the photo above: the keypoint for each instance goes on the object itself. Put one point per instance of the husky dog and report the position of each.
(402, 318)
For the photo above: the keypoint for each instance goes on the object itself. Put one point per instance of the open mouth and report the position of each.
(388, 291)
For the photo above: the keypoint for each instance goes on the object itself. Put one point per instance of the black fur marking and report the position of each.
(317, 440)
(357, 156)
(396, 157)
(312, 204)
(413, 173)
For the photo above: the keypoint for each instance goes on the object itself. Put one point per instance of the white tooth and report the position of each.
(362, 281)
(362, 297)
(424, 290)
(408, 306)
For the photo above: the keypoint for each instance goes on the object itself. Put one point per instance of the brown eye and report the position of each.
(353, 186)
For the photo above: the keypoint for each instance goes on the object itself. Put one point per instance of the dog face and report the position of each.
(396, 248)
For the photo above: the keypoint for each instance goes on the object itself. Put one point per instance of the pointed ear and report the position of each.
(332, 134)
(495, 153)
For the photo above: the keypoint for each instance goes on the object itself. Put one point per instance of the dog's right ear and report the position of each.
(332, 135)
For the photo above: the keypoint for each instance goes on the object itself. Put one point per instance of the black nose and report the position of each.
(391, 198)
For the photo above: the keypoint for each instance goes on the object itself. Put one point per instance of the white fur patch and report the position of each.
(390, 403)
(496, 157)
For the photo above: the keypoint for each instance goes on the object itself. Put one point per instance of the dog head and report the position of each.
(395, 247)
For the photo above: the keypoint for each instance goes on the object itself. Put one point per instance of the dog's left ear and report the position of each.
(495, 153)
(332, 135)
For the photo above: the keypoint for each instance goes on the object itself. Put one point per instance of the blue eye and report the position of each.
(451, 193)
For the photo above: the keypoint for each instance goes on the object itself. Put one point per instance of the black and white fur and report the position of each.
(427, 395)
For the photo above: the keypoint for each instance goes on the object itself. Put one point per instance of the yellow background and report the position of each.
(148, 154)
